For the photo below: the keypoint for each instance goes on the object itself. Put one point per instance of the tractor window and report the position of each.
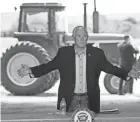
(61, 22)
(35, 22)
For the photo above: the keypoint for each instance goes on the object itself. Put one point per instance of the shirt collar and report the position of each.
(82, 52)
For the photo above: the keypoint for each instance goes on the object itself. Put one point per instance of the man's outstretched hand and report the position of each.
(24, 70)
(134, 74)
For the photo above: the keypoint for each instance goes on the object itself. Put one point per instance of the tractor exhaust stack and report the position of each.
(85, 15)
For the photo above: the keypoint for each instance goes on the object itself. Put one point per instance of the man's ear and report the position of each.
(87, 38)
(73, 37)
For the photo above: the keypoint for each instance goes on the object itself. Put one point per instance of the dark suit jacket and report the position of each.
(65, 63)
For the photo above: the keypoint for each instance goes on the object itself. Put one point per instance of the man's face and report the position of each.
(127, 41)
(80, 38)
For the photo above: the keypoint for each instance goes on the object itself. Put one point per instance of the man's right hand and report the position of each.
(24, 70)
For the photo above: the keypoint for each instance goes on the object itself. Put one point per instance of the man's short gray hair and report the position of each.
(76, 28)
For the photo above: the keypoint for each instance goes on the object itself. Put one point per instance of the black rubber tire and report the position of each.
(109, 87)
(42, 83)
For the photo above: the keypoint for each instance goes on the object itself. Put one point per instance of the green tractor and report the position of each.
(42, 30)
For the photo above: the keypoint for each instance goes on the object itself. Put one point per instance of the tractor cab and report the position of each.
(44, 24)
(41, 17)
(41, 20)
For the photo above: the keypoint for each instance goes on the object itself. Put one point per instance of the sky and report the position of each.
(76, 6)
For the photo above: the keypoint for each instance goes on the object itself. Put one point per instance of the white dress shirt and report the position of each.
(81, 83)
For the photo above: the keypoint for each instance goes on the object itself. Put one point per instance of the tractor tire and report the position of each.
(30, 54)
(111, 84)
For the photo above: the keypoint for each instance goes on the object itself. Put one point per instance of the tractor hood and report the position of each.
(100, 37)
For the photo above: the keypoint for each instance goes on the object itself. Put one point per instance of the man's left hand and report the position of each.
(134, 74)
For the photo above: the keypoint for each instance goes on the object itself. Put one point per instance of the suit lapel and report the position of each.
(87, 63)
(73, 66)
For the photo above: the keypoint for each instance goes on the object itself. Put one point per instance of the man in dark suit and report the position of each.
(80, 67)
(127, 61)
